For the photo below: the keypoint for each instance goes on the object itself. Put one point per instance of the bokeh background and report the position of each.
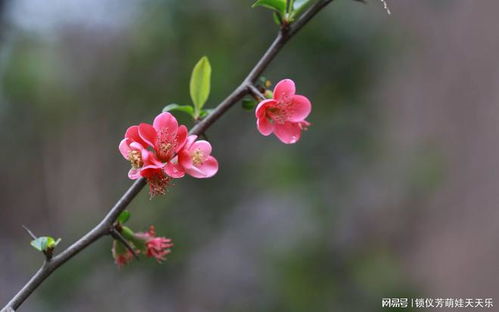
(393, 192)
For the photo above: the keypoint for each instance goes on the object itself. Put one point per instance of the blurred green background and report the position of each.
(391, 192)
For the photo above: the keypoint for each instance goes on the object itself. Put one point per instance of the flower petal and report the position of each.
(284, 88)
(150, 159)
(262, 106)
(181, 138)
(132, 133)
(299, 108)
(265, 126)
(195, 172)
(184, 158)
(148, 134)
(288, 132)
(136, 146)
(166, 122)
(190, 140)
(203, 146)
(174, 170)
(125, 148)
(209, 167)
(150, 171)
(134, 174)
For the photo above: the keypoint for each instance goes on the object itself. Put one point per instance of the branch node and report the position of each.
(255, 92)
(117, 236)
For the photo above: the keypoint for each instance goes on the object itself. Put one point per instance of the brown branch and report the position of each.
(105, 227)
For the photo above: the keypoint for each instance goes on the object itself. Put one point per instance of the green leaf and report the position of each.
(124, 216)
(188, 109)
(200, 84)
(43, 243)
(277, 5)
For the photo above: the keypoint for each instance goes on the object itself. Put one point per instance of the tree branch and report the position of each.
(105, 227)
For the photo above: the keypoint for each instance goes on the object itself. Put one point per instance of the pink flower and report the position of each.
(196, 160)
(284, 114)
(145, 164)
(121, 254)
(166, 137)
(156, 247)
(137, 155)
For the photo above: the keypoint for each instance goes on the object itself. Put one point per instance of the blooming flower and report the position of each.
(195, 158)
(162, 151)
(166, 137)
(284, 114)
(155, 247)
(144, 164)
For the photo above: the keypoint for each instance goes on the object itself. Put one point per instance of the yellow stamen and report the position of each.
(197, 157)
(135, 159)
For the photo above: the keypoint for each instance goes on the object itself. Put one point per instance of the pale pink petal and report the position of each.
(174, 170)
(299, 108)
(181, 137)
(288, 133)
(148, 134)
(166, 122)
(136, 146)
(265, 126)
(125, 148)
(203, 146)
(134, 174)
(190, 139)
(132, 133)
(209, 167)
(262, 106)
(284, 88)
(195, 172)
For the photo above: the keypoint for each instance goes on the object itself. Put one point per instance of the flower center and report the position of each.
(135, 159)
(157, 184)
(277, 114)
(166, 144)
(197, 157)
(165, 148)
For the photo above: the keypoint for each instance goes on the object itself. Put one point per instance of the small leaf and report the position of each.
(277, 5)
(200, 84)
(124, 216)
(40, 243)
(188, 109)
(43, 243)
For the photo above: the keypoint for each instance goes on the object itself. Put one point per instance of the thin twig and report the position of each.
(33, 236)
(103, 227)
(256, 93)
